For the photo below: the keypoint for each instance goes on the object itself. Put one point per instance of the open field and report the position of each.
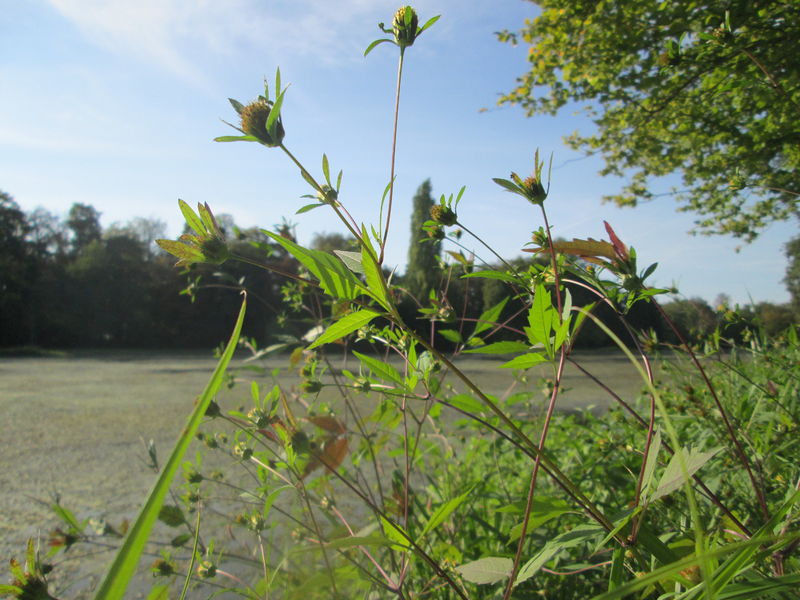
(74, 426)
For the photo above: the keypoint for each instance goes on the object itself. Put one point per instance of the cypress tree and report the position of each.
(422, 272)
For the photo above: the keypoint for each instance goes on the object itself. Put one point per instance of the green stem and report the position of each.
(394, 153)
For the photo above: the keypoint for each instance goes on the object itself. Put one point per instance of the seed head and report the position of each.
(254, 122)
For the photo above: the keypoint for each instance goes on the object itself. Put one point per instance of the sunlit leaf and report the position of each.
(490, 569)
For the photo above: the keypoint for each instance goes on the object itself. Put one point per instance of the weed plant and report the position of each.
(380, 480)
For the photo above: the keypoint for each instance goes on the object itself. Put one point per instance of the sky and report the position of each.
(116, 103)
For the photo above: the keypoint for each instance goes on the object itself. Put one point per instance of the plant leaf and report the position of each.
(490, 569)
(347, 324)
(672, 479)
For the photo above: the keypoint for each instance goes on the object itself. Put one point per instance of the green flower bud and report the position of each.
(534, 190)
(254, 122)
(443, 215)
(404, 26)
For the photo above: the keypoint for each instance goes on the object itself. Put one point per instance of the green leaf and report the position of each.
(451, 335)
(349, 542)
(376, 284)
(524, 361)
(500, 348)
(375, 43)
(236, 138)
(171, 515)
(308, 207)
(508, 185)
(673, 478)
(489, 318)
(192, 220)
(159, 592)
(428, 23)
(395, 533)
(237, 106)
(124, 565)
(539, 319)
(441, 513)
(491, 275)
(352, 260)
(274, 113)
(383, 370)
(347, 324)
(466, 403)
(180, 540)
(326, 169)
(334, 278)
(490, 569)
(579, 535)
(273, 495)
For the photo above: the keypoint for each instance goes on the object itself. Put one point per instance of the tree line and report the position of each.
(69, 283)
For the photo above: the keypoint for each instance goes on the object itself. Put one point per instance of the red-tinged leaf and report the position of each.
(620, 248)
(586, 249)
(330, 424)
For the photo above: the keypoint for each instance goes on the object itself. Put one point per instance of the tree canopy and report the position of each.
(710, 90)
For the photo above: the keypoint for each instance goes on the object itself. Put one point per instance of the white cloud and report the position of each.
(179, 34)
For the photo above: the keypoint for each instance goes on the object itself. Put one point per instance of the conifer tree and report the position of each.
(423, 271)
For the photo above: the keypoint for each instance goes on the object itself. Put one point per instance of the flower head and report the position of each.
(254, 122)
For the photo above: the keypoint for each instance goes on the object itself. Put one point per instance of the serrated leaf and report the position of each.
(500, 348)
(589, 249)
(490, 569)
(382, 369)
(524, 361)
(451, 335)
(352, 260)
(334, 278)
(345, 325)
(395, 533)
(489, 317)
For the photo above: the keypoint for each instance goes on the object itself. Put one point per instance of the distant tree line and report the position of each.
(68, 283)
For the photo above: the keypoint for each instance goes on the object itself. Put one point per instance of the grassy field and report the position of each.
(74, 426)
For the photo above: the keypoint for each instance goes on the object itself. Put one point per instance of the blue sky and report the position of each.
(115, 103)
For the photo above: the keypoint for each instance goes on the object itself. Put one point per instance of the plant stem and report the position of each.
(394, 154)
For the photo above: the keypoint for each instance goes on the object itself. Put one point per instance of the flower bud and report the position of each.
(404, 26)
(254, 122)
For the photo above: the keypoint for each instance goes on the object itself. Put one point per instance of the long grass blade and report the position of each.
(122, 569)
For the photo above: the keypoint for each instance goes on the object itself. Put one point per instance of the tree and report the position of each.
(84, 222)
(710, 90)
(423, 271)
(792, 278)
(17, 272)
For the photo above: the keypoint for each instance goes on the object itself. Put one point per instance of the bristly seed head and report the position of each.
(254, 122)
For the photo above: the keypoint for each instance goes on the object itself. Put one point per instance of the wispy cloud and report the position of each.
(178, 34)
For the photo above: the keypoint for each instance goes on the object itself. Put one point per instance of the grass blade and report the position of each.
(122, 569)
